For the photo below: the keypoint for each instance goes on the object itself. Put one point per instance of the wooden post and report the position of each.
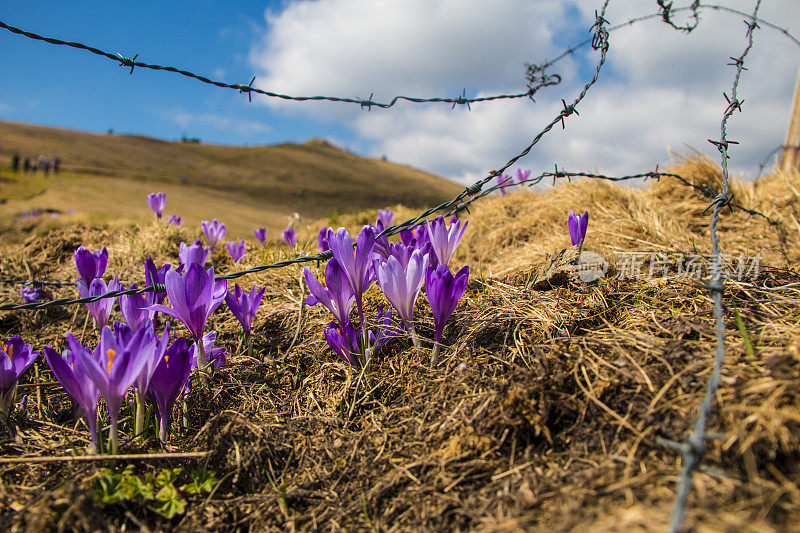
(789, 157)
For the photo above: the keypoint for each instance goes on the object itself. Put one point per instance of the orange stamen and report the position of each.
(111, 353)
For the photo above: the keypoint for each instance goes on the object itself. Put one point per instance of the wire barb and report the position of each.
(247, 89)
(461, 100)
(127, 62)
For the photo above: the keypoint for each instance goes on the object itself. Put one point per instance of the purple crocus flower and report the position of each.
(123, 335)
(157, 201)
(14, 360)
(214, 231)
(416, 237)
(357, 264)
(244, 307)
(175, 220)
(324, 238)
(403, 252)
(236, 250)
(385, 216)
(344, 341)
(444, 240)
(194, 296)
(168, 379)
(216, 356)
(194, 253)
(152, 276)
(34, 212)
(382, 247)
(290, 237)
(401, 286)
(503, 181)
(90, 265)
(134, 308)
(261, 235)
(336, 294)
(69, 370)
(444, 291)
(384, 331)
(522, 175)
(101, 309)
(115, 366)
(577, 228)
(33, 294)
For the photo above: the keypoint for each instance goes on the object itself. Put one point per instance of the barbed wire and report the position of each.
(249, 89)
(36, 282)
(771, 154)
(630, 22)
(666, 11)
(693, 450)
(708, 192)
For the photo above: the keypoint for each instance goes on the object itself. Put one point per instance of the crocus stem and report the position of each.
(201, 354)
(92, 423)
(162, 428)
(414, 338)
(112, 435)
(203, 367)
(435, 352)
(359, 305)
(249, 344)
(185, 408)
(140, 409)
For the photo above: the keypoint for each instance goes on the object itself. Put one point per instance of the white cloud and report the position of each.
(660, 89)
(240, 126)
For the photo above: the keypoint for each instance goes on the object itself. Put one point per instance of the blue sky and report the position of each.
(60, 86)
(660, 93)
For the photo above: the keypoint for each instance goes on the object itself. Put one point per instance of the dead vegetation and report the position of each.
(546, 412)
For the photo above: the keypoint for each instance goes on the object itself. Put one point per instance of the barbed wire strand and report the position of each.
(665, 12)
(248, 89)
(600, 43)
(693, 450)
(708, 192)
(630, 22)
(771, 154)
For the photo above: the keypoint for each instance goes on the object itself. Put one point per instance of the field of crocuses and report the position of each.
(461, 375)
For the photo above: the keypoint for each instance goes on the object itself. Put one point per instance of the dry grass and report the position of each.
(544, 412)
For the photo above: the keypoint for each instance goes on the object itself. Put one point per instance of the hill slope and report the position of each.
(268, 182)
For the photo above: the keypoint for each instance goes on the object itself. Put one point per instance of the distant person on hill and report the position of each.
(51, 166)
(34, 166)
(15, 163)
(56, 164)
(26, 165)
(43, 162)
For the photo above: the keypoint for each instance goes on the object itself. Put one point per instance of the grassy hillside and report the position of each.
(547, 410)
(108, 177)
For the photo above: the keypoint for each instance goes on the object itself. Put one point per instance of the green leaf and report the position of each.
(173, 502)
(167, 476)
(133, 487)
(202, 482)
(748, 346)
